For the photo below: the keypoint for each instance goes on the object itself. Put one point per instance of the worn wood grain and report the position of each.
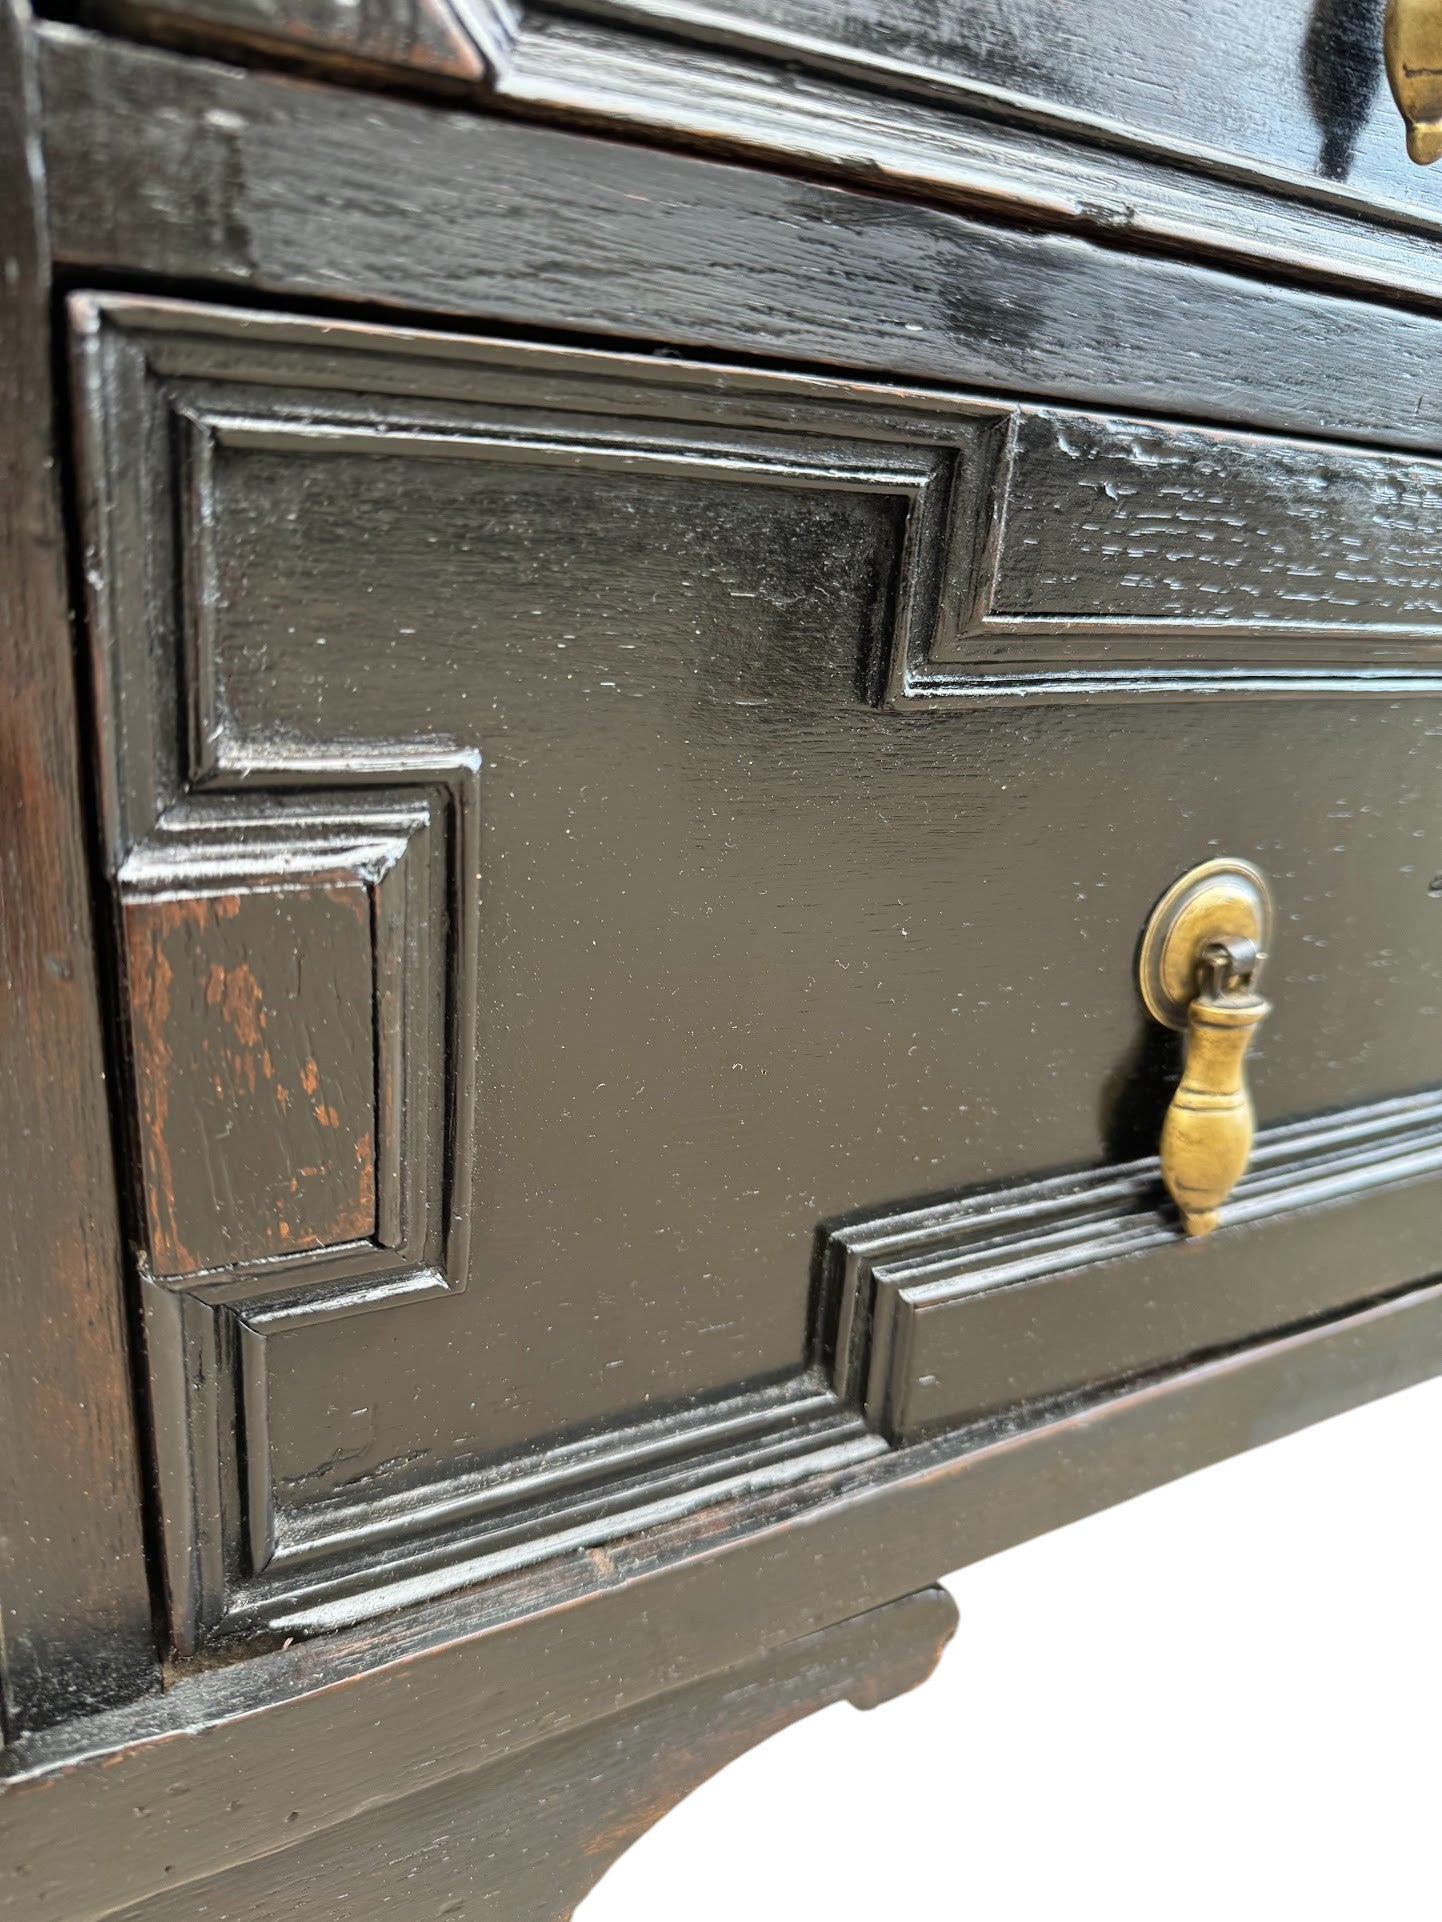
(696, 95)
(1138, 523)
(474, 1848)
(608, 75)
(254, 1022)
(74, 1595)
(1296, 107)
(1126, 543)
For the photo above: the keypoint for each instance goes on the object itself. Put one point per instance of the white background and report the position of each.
(1222, 1700)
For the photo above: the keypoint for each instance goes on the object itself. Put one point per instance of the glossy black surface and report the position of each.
(747, 951)
(1296, 87)
(634, 705)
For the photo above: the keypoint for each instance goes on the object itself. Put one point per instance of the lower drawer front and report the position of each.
(630, 877)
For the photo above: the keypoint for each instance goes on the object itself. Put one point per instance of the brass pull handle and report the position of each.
(1201, 954)
(1412, 43)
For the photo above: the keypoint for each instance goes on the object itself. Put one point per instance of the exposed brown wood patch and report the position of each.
(253, 1023)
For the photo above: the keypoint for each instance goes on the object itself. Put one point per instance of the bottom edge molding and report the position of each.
(1008, 1294)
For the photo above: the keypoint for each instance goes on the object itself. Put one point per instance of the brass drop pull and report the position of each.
(1201, 954)
(1412, 42)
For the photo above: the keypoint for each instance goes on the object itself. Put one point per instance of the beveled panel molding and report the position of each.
(282, 996)
(1109, 535)
(1135, 555)
(1005, 1298)
(269, 790)
(231, 824)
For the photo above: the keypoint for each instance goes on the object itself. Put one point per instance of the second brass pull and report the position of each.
(1412, 44)
(1201, 955)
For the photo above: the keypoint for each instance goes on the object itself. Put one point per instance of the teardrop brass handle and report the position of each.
(1412, 43)
(1201, 954)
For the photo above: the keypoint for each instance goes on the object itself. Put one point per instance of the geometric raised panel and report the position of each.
(1205, 542)
(502, 754)
(1005, 1296)
(258, 1106)
(278, 1004)
(1105, 555)
(348, 612)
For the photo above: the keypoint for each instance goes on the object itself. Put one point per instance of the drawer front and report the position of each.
(629, 877)
(1296, 89)
(1296, 93)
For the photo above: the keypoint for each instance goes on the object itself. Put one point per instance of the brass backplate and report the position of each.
(1218, 901)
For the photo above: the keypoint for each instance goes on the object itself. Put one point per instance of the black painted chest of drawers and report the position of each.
(615, 617)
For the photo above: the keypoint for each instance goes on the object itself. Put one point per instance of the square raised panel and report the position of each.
(283, 991)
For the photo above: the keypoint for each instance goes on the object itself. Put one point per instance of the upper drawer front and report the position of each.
(626, 866)
(1293, 92)
(1297, 87)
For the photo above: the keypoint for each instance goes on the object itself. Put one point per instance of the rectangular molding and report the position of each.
(276, 1112)
(551, 1500)
(1116, 539)
(215, 790)
(1006, 1297)
(1110, 555)
(225, 831)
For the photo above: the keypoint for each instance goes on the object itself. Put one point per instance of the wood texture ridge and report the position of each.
(1131, 524)
(1297, 98)
(935, 145)
(721, 90)
(612, 1771)
(1011, 1295)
